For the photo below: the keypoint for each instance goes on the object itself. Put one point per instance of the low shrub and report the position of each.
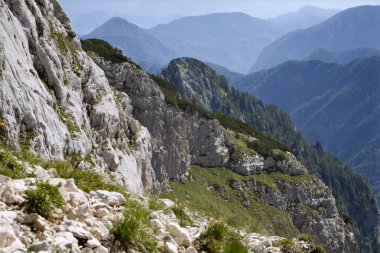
(235, 246)
(43, 200)
(9, 166)
(134, 230)
(184, 219)
(220, 238)
(154, 205)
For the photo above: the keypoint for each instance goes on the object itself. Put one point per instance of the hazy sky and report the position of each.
(257, 8)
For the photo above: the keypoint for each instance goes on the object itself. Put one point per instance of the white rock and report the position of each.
(71, 186)
(8, 194)
(156, 224)
(267, 243)
(41, 174)
(167, 203)
(85, 250)
(39, 246)
(80, 232)
(171, 248)
(27, 219)
(93, 243)
(191, 249)
(4, 179)
(64, 241)
(40, 224)
(99, 230)
(101, 249)
(7, 217)
(174, 229)
(183, 240)
(257, 248)
(101, 212)
(109, 198)
(9, 241)
(98, 205)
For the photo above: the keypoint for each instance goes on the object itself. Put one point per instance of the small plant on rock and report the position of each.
(220, 238)
(9, 166)
(155, 205)
(134, 231)
(43, 200)
(182, 216)
(235, 246)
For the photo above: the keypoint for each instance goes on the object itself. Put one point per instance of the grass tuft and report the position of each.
(220, 238)
(184, 219)
(43, 200)
(134, 230)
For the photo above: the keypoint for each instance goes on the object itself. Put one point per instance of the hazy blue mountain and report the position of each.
(133, 40)
(342, 56)
(337, 105)
(232, 40)
(303, 18)
(352, 28)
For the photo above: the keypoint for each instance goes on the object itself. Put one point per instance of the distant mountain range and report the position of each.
(337, 105)
(133, 40)
(305, 17)
(231, 40)
(342, 56)
(352, 28)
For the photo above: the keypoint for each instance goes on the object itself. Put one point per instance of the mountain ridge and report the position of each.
(133, 40)
(354, 27)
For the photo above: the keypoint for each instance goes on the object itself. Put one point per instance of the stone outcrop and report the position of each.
(57, 102)
(179, 139)
(312, 208)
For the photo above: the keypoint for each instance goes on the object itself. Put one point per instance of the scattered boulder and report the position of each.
(9, 240)
(110, 198)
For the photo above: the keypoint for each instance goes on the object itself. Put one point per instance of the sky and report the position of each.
(86, 15)
(257, 8)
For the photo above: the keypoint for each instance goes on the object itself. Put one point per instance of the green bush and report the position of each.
(184, 219)
(43, 200)
(220, 238)
(134, 231)
(235, 246)
(9, 166)
(217, 232)
(154, 205)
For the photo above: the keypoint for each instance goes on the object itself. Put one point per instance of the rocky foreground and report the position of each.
(84, 222)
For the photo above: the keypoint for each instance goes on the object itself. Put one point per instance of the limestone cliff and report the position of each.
(57, 102)
(179, 139)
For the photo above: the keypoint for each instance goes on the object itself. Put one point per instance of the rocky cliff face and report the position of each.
(179, 139)
(57, 102)
(312, 209)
